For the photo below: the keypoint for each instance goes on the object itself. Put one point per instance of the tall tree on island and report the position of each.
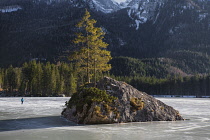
(91, 54)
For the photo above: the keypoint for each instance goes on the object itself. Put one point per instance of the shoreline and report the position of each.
(180, 96)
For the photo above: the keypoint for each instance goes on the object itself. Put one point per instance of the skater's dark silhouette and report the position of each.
(22, 100)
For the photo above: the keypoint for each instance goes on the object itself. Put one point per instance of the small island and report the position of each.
(116, 102)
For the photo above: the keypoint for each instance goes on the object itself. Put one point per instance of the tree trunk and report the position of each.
(88, 56)
(95, 73)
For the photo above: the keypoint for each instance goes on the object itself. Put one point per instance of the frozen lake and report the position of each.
(39, 119)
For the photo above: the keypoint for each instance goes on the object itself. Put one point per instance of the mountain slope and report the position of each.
(178, 31)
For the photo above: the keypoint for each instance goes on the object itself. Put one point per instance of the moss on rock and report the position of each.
(88, 96)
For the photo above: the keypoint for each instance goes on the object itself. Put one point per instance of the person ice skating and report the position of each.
(22, 100)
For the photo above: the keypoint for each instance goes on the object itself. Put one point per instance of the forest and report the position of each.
(38, 79)
(47, 79)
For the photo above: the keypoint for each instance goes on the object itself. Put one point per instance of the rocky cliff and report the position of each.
(123, 103)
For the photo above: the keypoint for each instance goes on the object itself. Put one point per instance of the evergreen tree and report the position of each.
(58, 82)
(91, 54)
(72, 79)
(61, 86)
(46, 82)
(33, 81)
(73, 84)
(25, 78)
(18, 78)
(11, 78)
(1, 78)
(53, 79)
(64, 78)
(39, 78)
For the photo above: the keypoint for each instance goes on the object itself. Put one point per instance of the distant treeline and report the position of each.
(197, 85)
(38, 79)
(161, 76)
(47, 79)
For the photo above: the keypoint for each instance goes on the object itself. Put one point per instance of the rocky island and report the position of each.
(116, 102)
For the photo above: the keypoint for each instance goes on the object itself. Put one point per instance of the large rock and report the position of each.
(130, 105)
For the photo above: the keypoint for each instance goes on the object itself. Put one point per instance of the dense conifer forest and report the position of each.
(47, 79)
(38, 79)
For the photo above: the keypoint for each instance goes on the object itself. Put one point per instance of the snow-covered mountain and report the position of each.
(142, 11)
(106, 6)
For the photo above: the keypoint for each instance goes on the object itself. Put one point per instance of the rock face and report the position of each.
(130, 105)
(143, 10)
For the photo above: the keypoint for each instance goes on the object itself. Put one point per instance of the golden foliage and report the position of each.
(137, 103)
(91, 54)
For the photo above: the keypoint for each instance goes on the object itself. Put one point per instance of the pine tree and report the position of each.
(17, 78)
(33, 87)
(11, 78)
(39, 78)
(61, 86)
(53, 79)
(91, 54)
(47, 71)
(25, 78)
(72, 78)
(1, 79)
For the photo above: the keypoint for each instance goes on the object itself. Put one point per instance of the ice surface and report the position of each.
(39, 119)
(119, 1)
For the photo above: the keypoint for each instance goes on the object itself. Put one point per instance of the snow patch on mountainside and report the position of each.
(8, 9)
(120, 1)
(143, 10)
(202, 16)
(105, 6)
